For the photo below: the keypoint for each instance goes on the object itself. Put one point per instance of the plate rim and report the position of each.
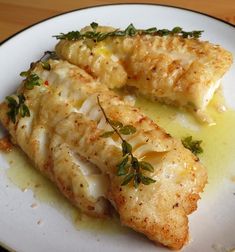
(115, 4)
(3, 245)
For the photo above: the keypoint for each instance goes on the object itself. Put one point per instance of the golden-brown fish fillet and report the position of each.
(68, 111)
(80, 181)
(172, 69)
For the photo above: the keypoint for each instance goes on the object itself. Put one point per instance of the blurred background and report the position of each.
(18, 14)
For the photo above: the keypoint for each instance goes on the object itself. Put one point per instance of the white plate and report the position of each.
(212, 225)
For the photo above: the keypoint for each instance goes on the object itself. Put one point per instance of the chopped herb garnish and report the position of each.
(17, 106)
(127, 130)
(129, 167)
(33, 79)
(94, 25)
(129, 31)
(193, 145)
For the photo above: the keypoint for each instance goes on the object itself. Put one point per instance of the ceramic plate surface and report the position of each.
(212, 227)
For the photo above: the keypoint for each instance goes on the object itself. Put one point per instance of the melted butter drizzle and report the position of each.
(218, 145)
(218, 140)
(22, 174)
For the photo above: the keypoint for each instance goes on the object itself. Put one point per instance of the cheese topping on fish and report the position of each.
(171, 69)
(64, 131)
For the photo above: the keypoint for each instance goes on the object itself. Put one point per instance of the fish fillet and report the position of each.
(66, 122)
(172, 69)
(80, 181)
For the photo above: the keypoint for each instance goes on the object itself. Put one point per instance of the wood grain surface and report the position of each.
(18, 14)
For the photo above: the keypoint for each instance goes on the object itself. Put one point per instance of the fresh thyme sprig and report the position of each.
(130, 31)
(193, 145)
(130, 166)
(33, 79)
(17, 105)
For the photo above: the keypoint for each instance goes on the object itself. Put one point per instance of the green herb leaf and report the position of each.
(73, 35)
(135, 163)
(129, 31)
(17, 107)
(21, 98)
(127, 179)
(116, 124)
(123, 167)
(118, 33)
(196, 34)
(24, 73)
(147, 180)
(92, 35)
(193, 34)
(107, 134)
(150, 31)
(193, 145)
(94, 25)
(12, 113)
(137, 180)
(13, 108)
(24, 111)
(46, 65)
(31, 81)
(11, 101)
(126, 148)
(127, 130)
(176, 29)
(102, 36)
(146, 166)
(163, 32)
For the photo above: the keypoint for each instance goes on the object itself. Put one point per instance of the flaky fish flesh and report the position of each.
(64, 131)
(172, 69)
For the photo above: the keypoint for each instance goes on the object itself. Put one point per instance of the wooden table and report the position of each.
(18, 14)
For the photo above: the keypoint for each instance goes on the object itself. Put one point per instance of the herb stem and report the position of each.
(130, 166)
(18, 106)
(108, 121)
(34, 64)
(130, 31)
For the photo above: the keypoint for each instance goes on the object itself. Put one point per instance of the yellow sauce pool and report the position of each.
(218, 156)
(218, 140)
(22, 174)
